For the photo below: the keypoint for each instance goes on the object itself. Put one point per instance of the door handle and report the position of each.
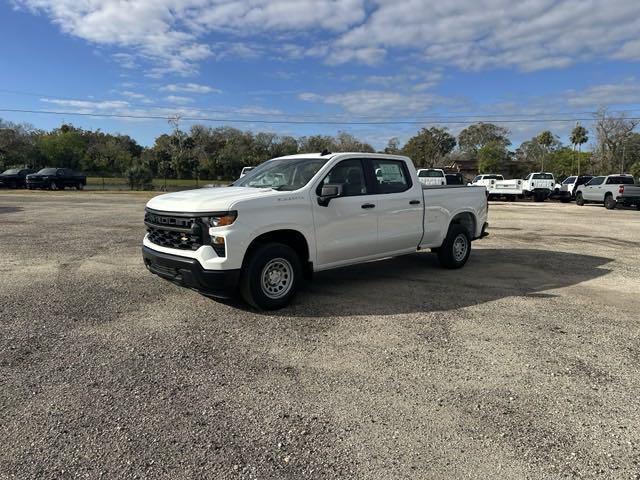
(368, 205)
(414, 202)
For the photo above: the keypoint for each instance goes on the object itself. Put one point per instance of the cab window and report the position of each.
(349, 174)
(391, 176)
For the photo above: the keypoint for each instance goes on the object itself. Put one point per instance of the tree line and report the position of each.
(221, 152)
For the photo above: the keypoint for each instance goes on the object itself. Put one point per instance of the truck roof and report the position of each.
(334, 154)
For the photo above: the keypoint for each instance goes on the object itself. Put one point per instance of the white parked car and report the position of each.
(603, 189)
(322, 212)
(432, 176)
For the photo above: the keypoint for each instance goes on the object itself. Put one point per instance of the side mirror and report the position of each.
(328, 192)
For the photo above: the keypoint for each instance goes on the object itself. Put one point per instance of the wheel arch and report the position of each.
(467, 220)
(287, 236)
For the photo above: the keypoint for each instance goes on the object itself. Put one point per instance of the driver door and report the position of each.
(347, 228)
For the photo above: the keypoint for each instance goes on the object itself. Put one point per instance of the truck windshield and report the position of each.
(285, 174)
(569, 180)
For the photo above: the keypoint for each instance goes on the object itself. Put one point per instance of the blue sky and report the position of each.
(406, 63)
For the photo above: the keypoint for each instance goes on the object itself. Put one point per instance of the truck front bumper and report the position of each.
(188, 272)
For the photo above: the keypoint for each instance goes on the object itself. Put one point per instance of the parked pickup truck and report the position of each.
(539, 185)
(56, 179)
(567, 189)
(432, 176)
(299, 214)
(629, 195)
(14, 177)
(603, 189)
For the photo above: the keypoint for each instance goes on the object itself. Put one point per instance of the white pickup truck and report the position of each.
(299, 214)
(539, 185)
(432, 176)
(603, 189)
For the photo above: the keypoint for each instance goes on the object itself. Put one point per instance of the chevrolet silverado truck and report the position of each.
(539, 185)
(629, 195)
(295, 215)
(432, 176)
(603, 189)
(56, 179)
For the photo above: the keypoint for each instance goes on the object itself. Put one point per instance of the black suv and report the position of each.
(15, 177)
(56, 179)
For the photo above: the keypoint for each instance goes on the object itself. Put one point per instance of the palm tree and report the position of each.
(545, 139)
(578, 137)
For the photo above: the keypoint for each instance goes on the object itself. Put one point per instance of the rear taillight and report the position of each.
(621, 189)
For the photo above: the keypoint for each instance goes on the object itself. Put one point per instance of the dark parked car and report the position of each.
(56, 179)
(454, 179)
(14, 177)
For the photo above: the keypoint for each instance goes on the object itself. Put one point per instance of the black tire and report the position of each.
(565, 200)
(610, 202)
(449, 254)
(287, 268)
(638, 206)
(579, 199)
(79, 186)
(53, 185)
(539, 197)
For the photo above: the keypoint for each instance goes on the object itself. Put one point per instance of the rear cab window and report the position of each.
(391, 176)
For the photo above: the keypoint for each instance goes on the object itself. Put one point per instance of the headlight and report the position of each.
(222, 220)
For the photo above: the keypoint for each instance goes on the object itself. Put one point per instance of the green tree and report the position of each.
(476, 136)
(492, 157)
(546, 140)
(429, 146)
(579, 136)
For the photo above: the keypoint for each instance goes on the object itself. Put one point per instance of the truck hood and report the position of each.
(205, 200)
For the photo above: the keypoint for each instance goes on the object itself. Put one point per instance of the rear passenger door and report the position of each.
(398, 205)
(593, 191)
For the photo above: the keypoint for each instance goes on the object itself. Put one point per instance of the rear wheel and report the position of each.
(456, 248)
(539, 197)
(271, 276)
(610, 202)
(579, 199)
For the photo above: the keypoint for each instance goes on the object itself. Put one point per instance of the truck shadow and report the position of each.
(416, 283)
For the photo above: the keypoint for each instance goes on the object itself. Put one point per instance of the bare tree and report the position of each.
(612, 133)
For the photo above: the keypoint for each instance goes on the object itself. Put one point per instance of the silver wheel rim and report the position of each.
(460, 247)
(276, 278)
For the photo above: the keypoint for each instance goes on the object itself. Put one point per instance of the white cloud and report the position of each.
(596, 96)
(189, 88)
(169, 32)
(178, 99)
(377, 102)
(529, 35)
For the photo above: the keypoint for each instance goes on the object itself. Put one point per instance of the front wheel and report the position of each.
(579, 199)
(456, 248)
(271, 276)
(610, 202)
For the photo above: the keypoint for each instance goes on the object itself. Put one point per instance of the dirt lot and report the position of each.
(525, 364)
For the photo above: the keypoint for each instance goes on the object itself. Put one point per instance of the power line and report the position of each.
(416, 119)
(295, 122)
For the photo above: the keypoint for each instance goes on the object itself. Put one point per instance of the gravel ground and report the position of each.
(525, 364)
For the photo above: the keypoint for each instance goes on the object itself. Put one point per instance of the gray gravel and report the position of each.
(525, 364)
